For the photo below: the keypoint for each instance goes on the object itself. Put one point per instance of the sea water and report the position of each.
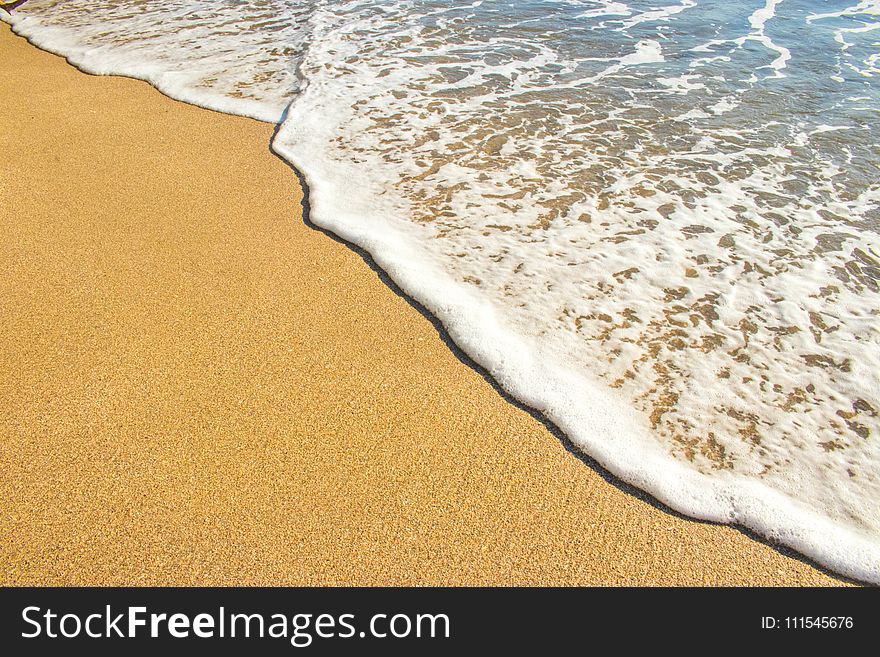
(655, 221)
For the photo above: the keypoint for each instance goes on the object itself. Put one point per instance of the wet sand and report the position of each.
(196, 387)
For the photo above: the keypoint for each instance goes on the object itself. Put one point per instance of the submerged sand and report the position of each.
(198, 388)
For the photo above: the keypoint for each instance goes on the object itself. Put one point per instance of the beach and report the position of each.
(200, 388)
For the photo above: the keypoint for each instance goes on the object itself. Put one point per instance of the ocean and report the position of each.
(655, 222)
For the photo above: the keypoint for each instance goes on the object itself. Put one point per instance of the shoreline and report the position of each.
(466, 489)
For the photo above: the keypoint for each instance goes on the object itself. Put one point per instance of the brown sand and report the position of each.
(197, 388)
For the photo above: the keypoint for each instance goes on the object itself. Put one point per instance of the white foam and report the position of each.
(759, 17)
(123, 37)
(607, 9)
(660, 14)
(758, 20)
(863, 62)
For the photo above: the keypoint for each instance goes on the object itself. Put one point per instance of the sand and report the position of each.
(197, 387)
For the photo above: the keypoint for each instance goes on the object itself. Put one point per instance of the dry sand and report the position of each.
(198, 388)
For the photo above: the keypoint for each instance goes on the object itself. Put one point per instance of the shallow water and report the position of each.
(656, 222)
